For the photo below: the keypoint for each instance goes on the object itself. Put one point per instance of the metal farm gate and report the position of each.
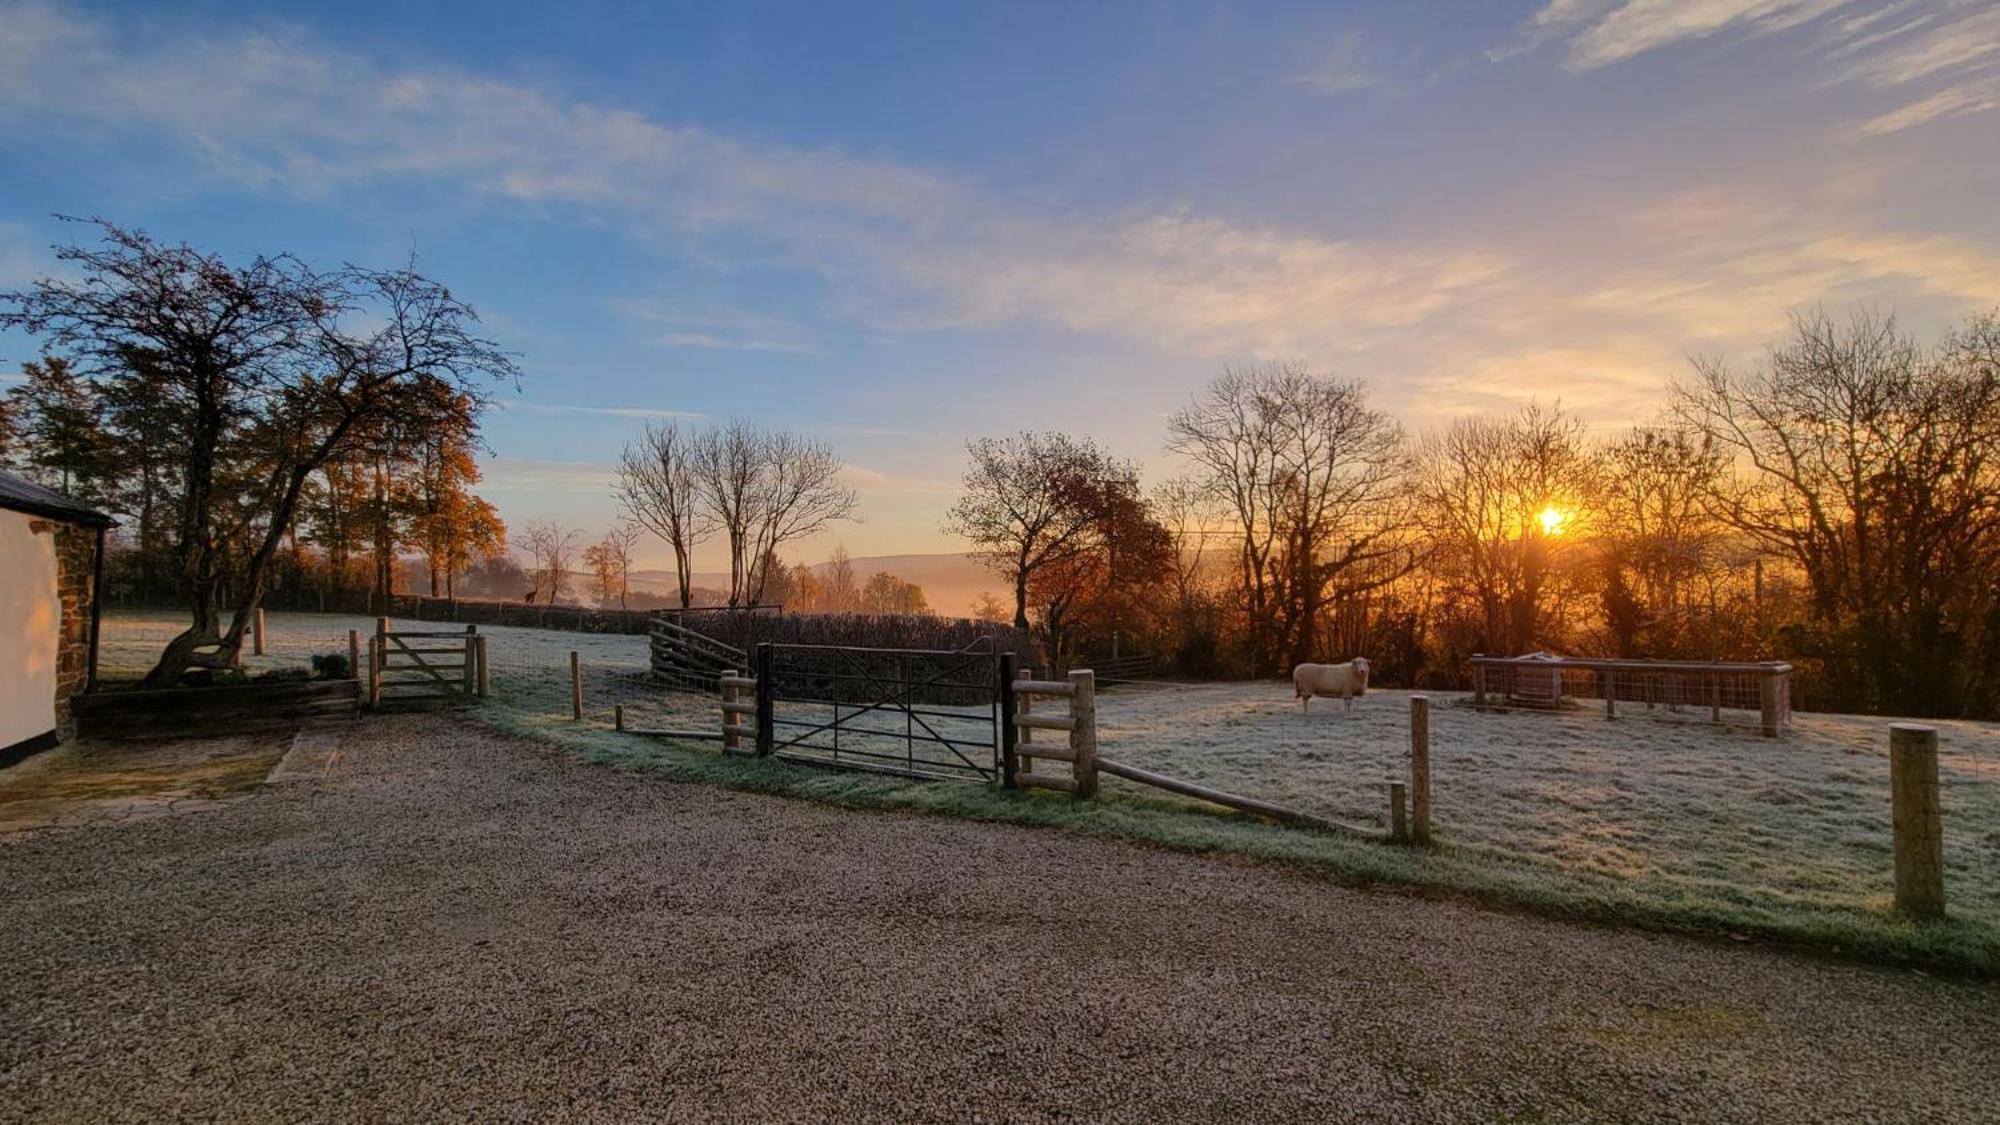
(910, 712)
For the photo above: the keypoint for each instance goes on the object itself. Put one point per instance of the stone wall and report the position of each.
(76, 561)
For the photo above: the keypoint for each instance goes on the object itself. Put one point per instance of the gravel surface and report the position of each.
(454, 925)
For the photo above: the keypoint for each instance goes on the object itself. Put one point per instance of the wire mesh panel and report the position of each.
(913, 712)
(1756, 695)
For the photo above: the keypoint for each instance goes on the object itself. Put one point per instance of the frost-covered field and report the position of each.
(1676, 808)
(1678, 815)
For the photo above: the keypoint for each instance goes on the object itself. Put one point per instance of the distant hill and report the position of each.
(952, 582)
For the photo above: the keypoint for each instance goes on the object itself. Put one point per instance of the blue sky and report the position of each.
(902, 226)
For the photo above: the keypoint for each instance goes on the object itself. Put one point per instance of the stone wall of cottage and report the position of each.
(76, 562)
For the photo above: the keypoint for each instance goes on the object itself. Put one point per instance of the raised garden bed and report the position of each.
(195, 711)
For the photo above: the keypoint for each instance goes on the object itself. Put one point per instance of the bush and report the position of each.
(332, 666)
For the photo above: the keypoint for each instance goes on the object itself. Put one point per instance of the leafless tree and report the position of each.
(1314, 483)
(1505, 504)
(660, 490)
(798, 494)
(551, 550)
(1869, 463)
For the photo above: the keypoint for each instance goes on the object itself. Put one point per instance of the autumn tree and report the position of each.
(260, 373)
(1030, 502)
(890, 594)
(609, 563)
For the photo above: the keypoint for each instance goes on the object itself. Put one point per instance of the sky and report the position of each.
(898, 227)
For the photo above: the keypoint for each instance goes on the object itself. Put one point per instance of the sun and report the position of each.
(1552, 519)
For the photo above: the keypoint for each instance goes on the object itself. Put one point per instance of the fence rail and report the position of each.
(1748, 694)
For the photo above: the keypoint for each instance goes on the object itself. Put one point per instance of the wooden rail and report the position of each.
(1228, 800)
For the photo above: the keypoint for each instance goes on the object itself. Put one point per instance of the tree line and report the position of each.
(1835, 504)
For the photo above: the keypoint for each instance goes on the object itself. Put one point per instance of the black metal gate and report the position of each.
(910, 712)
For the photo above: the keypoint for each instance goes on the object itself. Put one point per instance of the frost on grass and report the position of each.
(1668, 806)
(1666, 812)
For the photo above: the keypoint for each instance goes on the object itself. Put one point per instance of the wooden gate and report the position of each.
(413, 666)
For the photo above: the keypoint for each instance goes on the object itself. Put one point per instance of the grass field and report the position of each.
(1671, 823)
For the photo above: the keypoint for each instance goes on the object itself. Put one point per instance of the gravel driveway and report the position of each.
(455, 925)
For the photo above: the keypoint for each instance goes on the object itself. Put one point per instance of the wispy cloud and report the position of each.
(1349, 65)
(1880, 45)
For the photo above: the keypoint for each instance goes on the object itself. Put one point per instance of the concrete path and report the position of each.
(449, 925)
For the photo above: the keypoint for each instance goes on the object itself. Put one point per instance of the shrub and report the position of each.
(331, 666)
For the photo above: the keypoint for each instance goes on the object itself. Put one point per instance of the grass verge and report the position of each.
(1492, 878)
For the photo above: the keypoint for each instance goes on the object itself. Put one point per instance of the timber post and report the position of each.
(374, 673)
(354, 654)
(1083, 730)
(1919, 834)
(485, 669)
(1010, 758)
(1398, 831)
(471, 683)
(1767, 699)
(767, 706)
(257, 633)
(1420, 768)
(575, 687)
(1478, 682)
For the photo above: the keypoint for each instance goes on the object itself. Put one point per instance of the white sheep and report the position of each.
(1342, 680)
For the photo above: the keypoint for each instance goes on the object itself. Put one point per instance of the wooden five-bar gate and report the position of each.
(425, 665)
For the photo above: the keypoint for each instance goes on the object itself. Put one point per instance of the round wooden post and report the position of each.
(1398, 830)
(1610, 695)
(575, 687)
(374, 674)
(257, 633)
(1420, 768)
(1913, 785)
(485, 669)
(618, 716)
(354, 653)
(470, 684)
(1024, 704)
(1083, 730)
(1478, 683)
(730, 739)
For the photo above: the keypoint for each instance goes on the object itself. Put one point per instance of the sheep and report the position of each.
(1344, 680)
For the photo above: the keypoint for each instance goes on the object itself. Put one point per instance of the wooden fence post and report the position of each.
(618, 716)
(381, 649)
(1767, 698)
(374, 673)
(354, 654)
(1913, 784)
(1010, 759)
(1420, 768)
(1083, 730)
(767, 702)
(1610, 694)
(1398, 831)
(1478, 683)
(575, 687)
(257, 633)
(730, 739)
(471, 684)
(1025, 706)
(485, 669)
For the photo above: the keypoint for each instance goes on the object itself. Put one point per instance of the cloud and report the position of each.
(902, 249)
(1954, 102)
(1600, 33)
(1348, 66)
(1881, 45)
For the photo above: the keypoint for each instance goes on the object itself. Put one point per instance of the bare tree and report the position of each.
(799, 494)
(838, 591)
(1315, 484)
(1868, 462)
(1503, 501)
(660, 490)
(765, 489)
(609, 563)
(551, 550)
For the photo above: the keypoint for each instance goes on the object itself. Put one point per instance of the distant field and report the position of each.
(1671, 819)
